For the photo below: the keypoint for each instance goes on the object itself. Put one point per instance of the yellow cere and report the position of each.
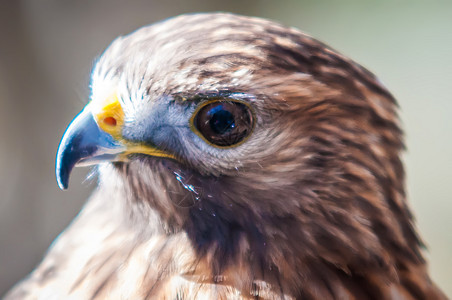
(109, 116)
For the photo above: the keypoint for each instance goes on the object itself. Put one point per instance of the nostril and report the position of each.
(110, 121)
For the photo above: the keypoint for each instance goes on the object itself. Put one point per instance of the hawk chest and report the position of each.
(104, 262)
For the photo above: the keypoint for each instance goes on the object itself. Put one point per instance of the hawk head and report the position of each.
(274, 154)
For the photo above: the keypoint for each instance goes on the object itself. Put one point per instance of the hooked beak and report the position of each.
(84, 144)
(95, 136)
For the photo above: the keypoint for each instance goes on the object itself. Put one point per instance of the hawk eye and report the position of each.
(224, 123)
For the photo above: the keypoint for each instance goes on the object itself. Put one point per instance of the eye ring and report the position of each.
(223, 123)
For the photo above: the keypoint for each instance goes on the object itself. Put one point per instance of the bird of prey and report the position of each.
(237, 159)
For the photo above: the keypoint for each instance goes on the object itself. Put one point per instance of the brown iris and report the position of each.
(224, 123)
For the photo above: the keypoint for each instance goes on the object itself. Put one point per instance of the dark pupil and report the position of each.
(221, 120)
(224, 123)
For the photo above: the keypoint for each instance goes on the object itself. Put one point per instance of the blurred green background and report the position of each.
(47, 48)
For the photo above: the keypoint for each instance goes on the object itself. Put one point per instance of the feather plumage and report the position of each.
(311, 206)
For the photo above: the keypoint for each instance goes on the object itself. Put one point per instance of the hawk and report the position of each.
(237, 159)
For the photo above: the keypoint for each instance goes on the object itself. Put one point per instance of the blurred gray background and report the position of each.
(47, 48)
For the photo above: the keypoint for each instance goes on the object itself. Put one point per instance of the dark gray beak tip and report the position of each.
(65, 160)
(62, 177)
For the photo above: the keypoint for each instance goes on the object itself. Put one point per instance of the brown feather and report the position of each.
(311, 206)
